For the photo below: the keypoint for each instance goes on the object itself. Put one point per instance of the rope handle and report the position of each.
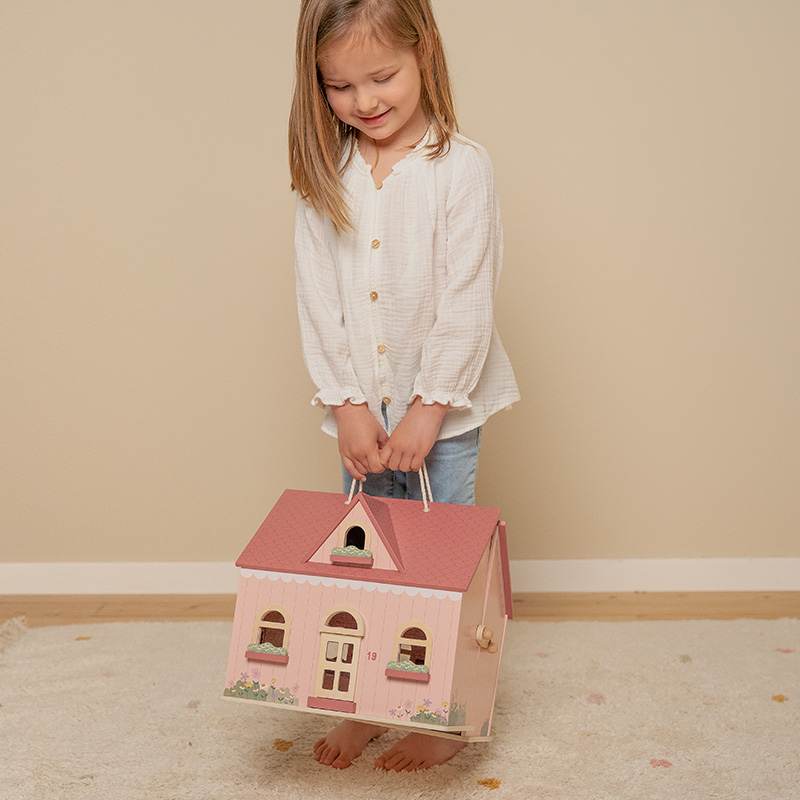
(424, 483)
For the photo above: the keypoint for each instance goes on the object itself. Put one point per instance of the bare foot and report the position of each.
(345, 742)
(418, 751)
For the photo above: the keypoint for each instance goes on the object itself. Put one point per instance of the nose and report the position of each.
(366, 102)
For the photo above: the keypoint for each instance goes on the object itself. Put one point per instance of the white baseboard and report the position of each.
(574, 575)
(658, 575)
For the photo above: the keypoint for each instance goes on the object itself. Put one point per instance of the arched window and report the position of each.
(353, 549)
(413, 645)
(412, 654)
(356, 537)
(343, 619)
(272, 628)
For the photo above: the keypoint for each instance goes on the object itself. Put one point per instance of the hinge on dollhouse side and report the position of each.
(484, 634)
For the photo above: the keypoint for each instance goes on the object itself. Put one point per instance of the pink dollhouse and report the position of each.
(375, 609)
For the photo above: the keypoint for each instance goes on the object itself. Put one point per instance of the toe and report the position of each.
(329, 755)
(397, 762)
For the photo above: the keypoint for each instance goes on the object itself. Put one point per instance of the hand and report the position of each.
(414, 436)
(361, 438)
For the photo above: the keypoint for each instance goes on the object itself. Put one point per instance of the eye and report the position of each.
(337, 88)
(384, 80)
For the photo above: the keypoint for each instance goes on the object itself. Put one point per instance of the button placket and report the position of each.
(376, 249)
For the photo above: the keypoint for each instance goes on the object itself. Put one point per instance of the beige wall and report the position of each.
(154, 402)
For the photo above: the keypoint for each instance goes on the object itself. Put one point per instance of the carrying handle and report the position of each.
(424, 483)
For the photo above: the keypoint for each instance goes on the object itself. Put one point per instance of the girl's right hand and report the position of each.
(360, 439)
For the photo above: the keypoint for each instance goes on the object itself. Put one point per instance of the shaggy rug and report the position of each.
(585, 711)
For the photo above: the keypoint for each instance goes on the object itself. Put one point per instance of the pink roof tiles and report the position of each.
(439, 549)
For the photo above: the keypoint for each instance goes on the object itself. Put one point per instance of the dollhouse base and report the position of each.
(460, 733)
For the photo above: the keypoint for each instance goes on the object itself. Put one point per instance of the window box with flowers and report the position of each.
(352, 556)
(267, 652)
(407, 670)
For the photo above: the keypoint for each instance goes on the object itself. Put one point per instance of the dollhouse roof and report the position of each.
(440, 549)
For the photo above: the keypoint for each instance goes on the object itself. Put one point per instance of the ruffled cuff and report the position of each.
(455, 401)
(329, 397)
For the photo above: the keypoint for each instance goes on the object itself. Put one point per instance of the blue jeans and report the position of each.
(452, 468)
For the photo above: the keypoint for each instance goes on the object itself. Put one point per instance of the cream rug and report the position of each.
(586, 711)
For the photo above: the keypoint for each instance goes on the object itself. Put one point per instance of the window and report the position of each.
(356, 537)
(272, 629)
(413, 646)
(353, 550)
(412, 654)
(270, 636)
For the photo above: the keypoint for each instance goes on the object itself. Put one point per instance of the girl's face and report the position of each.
(375, 89)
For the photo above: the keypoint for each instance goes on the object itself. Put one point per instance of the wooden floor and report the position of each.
(40, 610)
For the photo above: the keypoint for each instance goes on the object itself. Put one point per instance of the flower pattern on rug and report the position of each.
(660, 762)
(779, 698)
(490, 783)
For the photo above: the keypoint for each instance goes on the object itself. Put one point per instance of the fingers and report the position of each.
(354, 470)
(396, 459)
(359, 465)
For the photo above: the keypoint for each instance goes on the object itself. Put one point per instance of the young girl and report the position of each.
(398, 253)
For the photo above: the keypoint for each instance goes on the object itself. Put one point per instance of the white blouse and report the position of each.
(403, 305)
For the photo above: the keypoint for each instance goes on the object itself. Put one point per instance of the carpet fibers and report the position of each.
(585, 711)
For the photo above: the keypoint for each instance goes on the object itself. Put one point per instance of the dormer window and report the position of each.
(353, 549)
(356, 537)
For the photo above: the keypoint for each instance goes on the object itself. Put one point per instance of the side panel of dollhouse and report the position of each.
(476, 669)
(396, 627)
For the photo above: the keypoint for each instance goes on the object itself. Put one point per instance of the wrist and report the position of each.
(433, 410)
(348, 408)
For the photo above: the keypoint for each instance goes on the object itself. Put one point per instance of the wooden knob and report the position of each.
(492, 648)
(483, 636)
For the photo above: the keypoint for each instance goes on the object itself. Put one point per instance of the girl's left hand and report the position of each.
(414, 437)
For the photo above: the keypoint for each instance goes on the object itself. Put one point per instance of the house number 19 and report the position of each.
(372, 656)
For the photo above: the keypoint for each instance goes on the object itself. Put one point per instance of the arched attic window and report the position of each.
(356, 536)
(353, 549)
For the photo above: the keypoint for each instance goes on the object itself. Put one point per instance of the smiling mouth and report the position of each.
(375, 120)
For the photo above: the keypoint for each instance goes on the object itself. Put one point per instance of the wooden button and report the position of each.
(379, 185)
(373, 296)
(381, 348)
(375, 244)
(386, 400)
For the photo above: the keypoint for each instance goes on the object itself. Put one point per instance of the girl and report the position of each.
(398, 252)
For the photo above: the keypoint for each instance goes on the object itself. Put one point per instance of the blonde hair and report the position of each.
(318, 139)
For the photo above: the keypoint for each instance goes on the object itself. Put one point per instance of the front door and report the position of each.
(337, 669)
(341, 633)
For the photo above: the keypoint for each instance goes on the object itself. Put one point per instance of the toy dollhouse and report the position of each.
(374, 609)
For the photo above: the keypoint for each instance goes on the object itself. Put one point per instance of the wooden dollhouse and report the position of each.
(372, 608)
